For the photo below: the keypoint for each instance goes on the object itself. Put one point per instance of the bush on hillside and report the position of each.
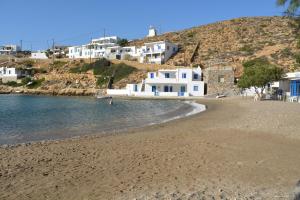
(117, 71)
(297, 58)
(256, 61)
(248, 49)
(35, 83)
(28, 63)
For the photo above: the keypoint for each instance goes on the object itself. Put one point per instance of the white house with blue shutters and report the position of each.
(181, 82)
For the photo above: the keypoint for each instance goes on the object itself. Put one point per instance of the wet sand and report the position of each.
(237, 149)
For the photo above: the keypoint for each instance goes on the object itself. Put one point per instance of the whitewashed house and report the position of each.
(95, 49)
(38, 55)
(10, 49)
(121, 53)
(10, 74)
(182, 82)
(107, 47)
(157, 52)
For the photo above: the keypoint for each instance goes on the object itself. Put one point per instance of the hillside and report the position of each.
(234, 41)
(226, 43)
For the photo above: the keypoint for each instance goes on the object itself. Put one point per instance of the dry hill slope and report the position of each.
(233, 41)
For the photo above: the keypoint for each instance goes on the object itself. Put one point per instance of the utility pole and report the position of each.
(21, 44)
(52, 50)
(104, 32)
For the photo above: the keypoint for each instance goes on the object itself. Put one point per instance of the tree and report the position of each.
(258, 73)
(123, 42)
(293, 6)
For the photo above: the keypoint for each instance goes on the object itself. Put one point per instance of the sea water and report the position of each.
(33, 118)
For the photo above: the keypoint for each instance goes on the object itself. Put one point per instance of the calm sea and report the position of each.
(33, 118)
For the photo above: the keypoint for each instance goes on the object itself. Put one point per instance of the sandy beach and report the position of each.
(237, 149)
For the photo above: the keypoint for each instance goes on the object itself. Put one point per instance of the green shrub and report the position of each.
(298, 43)
(119, 71)
(256, 61)
(28, 63)
(248, 49)
(36, 83)
(13, 84)
(25, 80)
(123, 42)
(40, 70)
(297, 58)
(286, 52)
(58, 64)
(75, 70)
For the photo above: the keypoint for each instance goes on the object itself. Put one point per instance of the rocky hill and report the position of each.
(234, 41)
(226, 43)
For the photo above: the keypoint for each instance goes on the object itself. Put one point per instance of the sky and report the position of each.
(74, 22)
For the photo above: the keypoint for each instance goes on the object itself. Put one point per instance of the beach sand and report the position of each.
(237, 149)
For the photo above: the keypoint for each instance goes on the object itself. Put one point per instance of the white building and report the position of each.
(152, 32)
(182, 82)
(10, 74)
(95, 49)
(38, 55)
(9, 49)
(122, 53)
(157, 52)
(289, 85)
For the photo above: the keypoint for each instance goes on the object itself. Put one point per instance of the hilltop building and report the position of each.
(181, 82)
(38, 55)
(152, 32)
(95, 49)
(107, 47)
(10, 49)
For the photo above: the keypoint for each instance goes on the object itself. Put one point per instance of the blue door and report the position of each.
(182, 90)
(295, 88)
(153, 88)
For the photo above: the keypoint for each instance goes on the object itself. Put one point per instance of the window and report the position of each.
(221, 79)
(196, 76)
(196, 88)
(167, 75)
(174, 49)
(135, 88)
(183, 75)
(151, 75)
(158, 47)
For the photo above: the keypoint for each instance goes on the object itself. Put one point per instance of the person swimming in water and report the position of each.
(111, 101)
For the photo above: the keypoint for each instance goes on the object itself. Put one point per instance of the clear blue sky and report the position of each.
(75, 21)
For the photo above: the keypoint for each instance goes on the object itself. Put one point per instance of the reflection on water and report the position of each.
(30, 118)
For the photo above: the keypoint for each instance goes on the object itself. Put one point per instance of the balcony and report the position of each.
(154, 51)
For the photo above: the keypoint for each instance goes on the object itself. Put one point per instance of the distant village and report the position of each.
(180, 82)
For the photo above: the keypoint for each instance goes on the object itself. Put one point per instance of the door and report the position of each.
(182, 89)
(153, 88)
(166, 88)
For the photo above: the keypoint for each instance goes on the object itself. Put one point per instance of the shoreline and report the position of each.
(196, 108)
(233, 150)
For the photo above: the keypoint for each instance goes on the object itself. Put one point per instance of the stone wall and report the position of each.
(219, 80)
